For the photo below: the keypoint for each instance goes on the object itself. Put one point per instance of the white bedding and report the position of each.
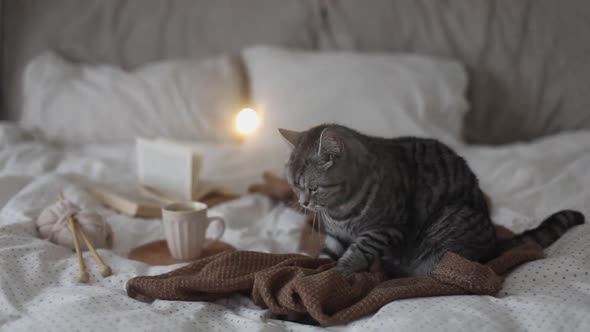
(38, 288)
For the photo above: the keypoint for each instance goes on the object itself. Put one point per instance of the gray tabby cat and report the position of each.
(403, 201)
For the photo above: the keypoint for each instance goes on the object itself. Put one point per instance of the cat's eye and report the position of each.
(314, 189)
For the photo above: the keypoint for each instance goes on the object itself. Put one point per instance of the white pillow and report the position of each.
(81, 103)
(377, 94)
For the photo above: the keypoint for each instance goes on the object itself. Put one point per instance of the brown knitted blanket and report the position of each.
(303, 288)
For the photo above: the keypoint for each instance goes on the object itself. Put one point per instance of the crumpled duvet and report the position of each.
(38, 288)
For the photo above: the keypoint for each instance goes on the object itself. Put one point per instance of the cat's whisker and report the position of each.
(320, 223)
(295, 206)
(313, 226)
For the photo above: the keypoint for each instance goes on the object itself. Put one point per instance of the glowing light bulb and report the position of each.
(247, 121)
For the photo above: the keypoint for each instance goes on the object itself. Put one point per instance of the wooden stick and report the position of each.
(84, 277)
(106, 270)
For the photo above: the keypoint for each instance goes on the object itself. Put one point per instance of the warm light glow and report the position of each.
(247, 121)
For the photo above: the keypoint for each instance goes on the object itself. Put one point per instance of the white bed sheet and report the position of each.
(38, 288)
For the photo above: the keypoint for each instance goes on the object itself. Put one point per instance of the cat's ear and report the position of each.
(290, 136)
(330, 142)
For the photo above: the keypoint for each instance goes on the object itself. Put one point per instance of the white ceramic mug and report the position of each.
(185, 226)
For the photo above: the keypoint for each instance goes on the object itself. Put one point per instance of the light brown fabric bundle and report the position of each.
(302, 287)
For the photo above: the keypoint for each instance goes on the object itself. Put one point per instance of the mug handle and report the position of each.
(221, 222)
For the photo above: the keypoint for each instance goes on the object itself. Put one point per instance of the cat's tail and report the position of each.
(550, 230)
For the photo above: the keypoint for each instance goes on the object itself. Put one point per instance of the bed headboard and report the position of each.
(529, 60)
(132, 32)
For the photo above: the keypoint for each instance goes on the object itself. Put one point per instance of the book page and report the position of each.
(169, 169)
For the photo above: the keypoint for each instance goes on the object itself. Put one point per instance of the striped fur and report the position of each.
(403, 201)
(550, 230)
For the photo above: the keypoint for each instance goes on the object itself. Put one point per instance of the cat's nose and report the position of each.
(305, 203)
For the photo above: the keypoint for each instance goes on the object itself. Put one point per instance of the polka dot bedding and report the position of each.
(38, 279)
(39, 289)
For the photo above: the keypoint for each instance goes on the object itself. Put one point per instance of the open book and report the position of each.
(167, 171)
(145, 202)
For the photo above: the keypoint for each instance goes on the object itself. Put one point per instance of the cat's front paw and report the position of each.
(343, 269)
